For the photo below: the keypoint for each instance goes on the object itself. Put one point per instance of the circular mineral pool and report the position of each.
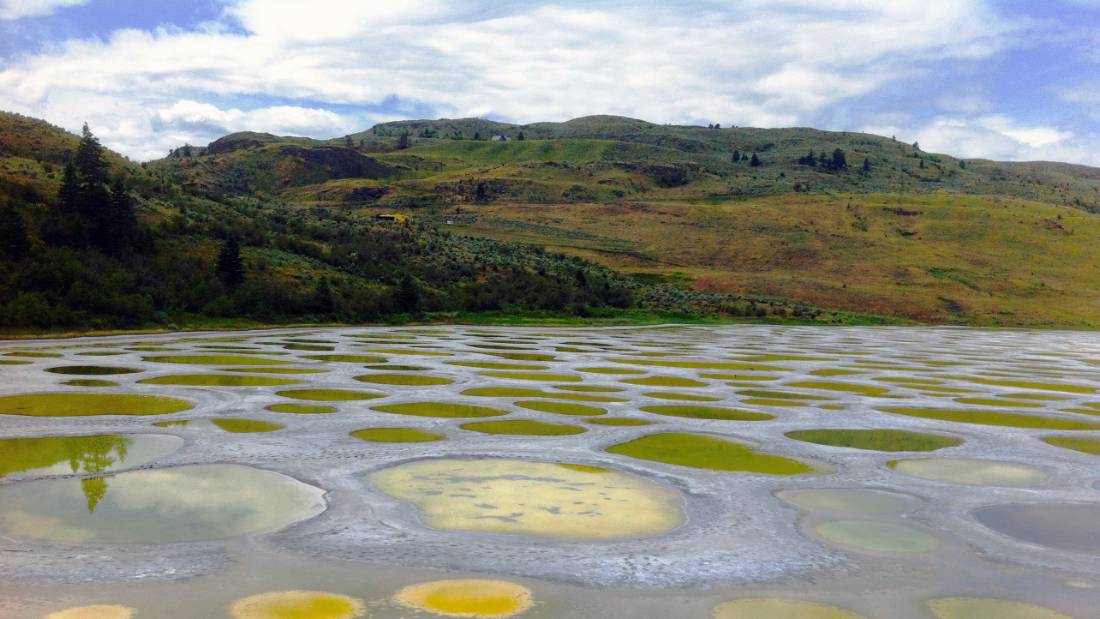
(1074, 527)
(487, 599)
(177, 504)
(778, 608)
(875, 536)
(971, 472)
(297, 605)
(545, 499)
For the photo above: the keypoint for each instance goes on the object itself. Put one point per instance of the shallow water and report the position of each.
(774, 444)
(396, 435)
(780, 609)
(871, 535)
(976, 608)
(876, 440)
(297, 605)
(219, 380)
(543, 499)
(187, 503)
(708, 452)
(76, 455)
(522, 427)
(1074, 527)
(854, 501)
(971, 472)
(486, 599)
(89, 404)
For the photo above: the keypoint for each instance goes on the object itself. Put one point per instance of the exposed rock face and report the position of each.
(664, 174)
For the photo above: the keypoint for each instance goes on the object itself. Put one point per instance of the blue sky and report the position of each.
(1008, 79)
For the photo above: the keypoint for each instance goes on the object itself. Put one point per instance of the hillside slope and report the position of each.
(121, 245)
(838, 220)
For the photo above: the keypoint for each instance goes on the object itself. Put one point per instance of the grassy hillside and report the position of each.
(931, 258)
(198, 238)
(601, 159)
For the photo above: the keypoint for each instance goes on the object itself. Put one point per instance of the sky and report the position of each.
(999, 79)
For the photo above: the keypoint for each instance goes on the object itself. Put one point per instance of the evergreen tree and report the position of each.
(93, 203)
(403, 140)
(91, 166)
(839, 161)
(736, 157)
(755, 161)
(121, 220)
(230, 266)
(866, 165)
(70, 190)
(407, 295)
(809, 160)
(521, 136)
(321, 301)
(962, 164)
(477, 135)
(14, 236)
(348, 143)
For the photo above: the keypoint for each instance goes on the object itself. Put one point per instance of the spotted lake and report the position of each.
(671, 471)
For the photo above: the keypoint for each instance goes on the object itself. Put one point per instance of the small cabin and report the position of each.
(396, 217)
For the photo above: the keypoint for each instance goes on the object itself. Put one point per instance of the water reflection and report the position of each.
(187, 503)
(74, 455)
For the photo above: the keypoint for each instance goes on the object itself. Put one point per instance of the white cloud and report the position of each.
(189, 115)
(996, 137)
(18, 9)
(752, 63)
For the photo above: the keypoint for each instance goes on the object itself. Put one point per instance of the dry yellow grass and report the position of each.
(936, 258)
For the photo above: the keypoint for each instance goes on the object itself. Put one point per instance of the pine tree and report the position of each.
(755, 161)
(839, 161)
(736, 157)
(407, 296)
(93, 203)
(321, 301)
(230, 267)
(121, 220)
(14, 236)
(70, 190)
(403, 140)
(866, 165)
(521, 136)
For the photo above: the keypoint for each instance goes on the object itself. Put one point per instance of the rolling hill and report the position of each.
(208, 237)
(891, 229)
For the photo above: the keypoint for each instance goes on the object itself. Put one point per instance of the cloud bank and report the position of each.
(330, 67)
